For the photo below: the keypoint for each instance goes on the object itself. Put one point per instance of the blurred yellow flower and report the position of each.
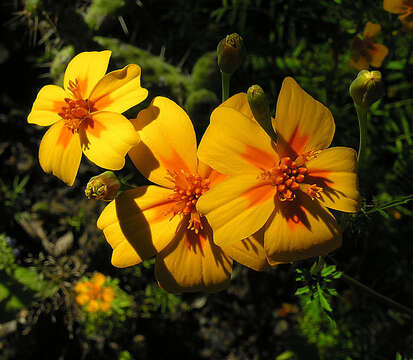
(405, 10)
(86, 115)
(161, 220)
(364, 51)
(93, 294)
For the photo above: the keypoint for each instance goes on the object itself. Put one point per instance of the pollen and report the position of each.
(187, 190)
(290, 175)
(76, 111)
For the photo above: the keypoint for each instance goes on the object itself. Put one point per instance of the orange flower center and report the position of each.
(76, 113)
(290, 175)
(187, 190)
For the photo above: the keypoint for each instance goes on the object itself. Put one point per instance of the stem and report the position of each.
(362, 117)
(225, 77)
(376, 294)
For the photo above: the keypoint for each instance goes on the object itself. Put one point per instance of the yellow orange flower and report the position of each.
(94, 294)
(405, 10)
(284, 188)
(162, 219)
(86, 117)
(364, 51)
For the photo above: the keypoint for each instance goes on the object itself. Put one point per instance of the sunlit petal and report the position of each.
(395, 6)
(107, 139)
(119, 90)
(167, 141)
(192, 262)
(300, 230)
(60, 152)
(138, 224)
(87, 68)
(335, 171)
(249, 252)
(48, 104)
(234, 143)
(237, 207)
(371, 31)
(301, 122)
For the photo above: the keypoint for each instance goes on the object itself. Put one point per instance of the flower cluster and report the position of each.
(241, 196)
(94, 294)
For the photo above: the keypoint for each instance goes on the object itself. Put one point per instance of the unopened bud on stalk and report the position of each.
(102, 187)
(231, 53)
(367, 88)
(260, 108)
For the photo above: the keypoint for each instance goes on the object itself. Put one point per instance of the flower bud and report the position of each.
(231, 53)
(367, 88)
(260, 108)
(102, 187)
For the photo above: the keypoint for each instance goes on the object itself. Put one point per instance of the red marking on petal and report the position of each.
(103, 102)
(94, 127)
(259, 194)
(64, 137)
(258, 157)
(174, 162)
(298, 141)
(193, 241)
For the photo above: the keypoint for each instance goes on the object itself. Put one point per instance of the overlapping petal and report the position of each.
(107, 139)
(138, 224)
(235, 143)
(300, 230)
(335, 171)
(87, 68)
(249, 252)
(119, 90)
(371, 31)
(301, 122)
(193, 263)
(168, 141)
(48, 104)
(237, 207)
(60, 152)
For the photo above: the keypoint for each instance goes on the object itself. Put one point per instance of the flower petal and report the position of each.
(394, 6)
(239, 102)
(335, 171)
(193, 263)
(107, 139)
(299, 230)
(249, 252)
(60, 152)
(168, 141)
(371, 31)
(234, 143)
(48, 104)
(87, 68)
(301, 123)
(138, 224)
(119, 90)
(237, 207)
(378, 54)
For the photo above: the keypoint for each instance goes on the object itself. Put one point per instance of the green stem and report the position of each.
(375, 294)
(362, 117)
(225, 77)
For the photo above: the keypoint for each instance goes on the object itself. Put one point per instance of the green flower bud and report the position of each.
(103, 187)
(367, 88)
(260, 108)
(231, 53)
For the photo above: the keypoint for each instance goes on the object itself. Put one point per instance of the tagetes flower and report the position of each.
(405, 10)
(162, 219)
(364, 51)
(284, 188)
(94, 294)
(86, 115)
